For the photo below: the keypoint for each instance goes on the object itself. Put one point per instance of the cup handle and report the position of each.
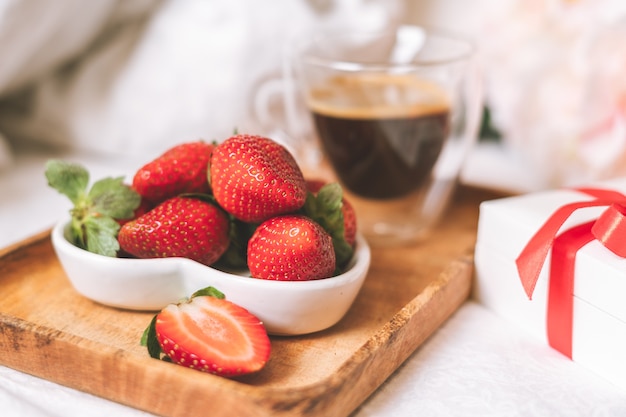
(278, 111)
(267, 91)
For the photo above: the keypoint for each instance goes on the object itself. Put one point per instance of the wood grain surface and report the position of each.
(49, 330)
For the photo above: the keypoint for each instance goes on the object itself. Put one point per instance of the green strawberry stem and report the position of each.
(94, 216)
(150, 341)
(209, 292)
(325, 209)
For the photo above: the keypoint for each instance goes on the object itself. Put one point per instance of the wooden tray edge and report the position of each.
(31, 240)
(383, 353)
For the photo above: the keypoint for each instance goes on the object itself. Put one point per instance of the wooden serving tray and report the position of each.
(49, 330)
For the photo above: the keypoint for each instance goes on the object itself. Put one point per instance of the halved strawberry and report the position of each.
(291, 248)
(186, 226)
(255, 178)
(210, 334)
(181, 169)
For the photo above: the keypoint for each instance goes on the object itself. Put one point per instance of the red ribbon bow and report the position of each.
(609, 229)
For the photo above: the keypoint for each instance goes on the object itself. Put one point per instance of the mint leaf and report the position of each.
(101, 235)
(94, 216)
(111, 197)
(67, 178)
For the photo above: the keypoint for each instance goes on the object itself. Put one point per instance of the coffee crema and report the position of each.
(382, 133)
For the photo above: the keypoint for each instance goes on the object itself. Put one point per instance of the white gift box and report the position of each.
(599, 305)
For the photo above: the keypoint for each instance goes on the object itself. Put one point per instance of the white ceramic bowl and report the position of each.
(285, 307)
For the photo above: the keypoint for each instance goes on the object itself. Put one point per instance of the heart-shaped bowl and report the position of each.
(285, 307)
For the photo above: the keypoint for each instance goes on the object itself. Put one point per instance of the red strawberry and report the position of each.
(349, 215)
(349, 222)
(291, 248)
(182, 169)
(210, 334)
(255, 178)
(188, 227)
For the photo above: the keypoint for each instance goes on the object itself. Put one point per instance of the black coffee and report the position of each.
(382, 133)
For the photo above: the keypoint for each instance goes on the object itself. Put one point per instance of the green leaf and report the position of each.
(149, 339)
(326, 209)
(93, 217)
(235, 257)
(330, 203)
(343, 251)
(330, 196)
(67, 178)
(210, 292)
(101, 235)
(111, 197)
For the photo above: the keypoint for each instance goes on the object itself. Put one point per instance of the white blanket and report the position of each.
(137, 76)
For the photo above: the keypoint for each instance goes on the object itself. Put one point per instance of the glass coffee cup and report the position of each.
(394, 114)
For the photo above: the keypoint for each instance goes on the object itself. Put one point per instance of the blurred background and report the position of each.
(114, 77)
(555, 74)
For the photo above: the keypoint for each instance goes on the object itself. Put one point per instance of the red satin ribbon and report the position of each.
(609, 229)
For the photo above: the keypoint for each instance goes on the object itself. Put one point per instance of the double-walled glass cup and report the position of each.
(395, 114)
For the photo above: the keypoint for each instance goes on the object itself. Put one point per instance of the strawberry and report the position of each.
(291, 248)
(96, 210)
(210, 334)
(189, 227)
(255, 178)
(181, 169)
(349, 222)
(327, 206)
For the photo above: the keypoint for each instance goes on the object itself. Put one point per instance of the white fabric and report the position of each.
(115, 76)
